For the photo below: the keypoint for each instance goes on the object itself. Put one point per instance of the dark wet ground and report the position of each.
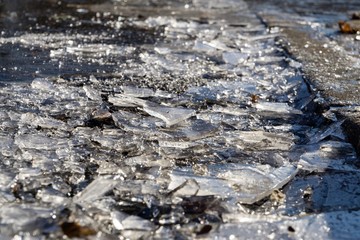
(177, 120)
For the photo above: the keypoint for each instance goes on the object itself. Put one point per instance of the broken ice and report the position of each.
(248, 184)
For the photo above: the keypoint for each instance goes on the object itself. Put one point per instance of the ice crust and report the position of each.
(198, 130)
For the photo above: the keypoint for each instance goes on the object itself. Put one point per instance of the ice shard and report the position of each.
(170, 115)
(247, 184)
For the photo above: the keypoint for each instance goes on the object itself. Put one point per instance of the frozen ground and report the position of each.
(164, 120)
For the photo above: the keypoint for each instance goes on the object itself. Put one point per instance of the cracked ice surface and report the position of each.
(184, 129)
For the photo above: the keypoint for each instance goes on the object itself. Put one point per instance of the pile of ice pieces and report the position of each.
(202, 131)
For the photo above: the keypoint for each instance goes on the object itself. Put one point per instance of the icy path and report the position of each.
(201, 127)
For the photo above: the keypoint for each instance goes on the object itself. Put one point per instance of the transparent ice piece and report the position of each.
(43, 84)
(176, 144)
(43, 122)
(231, 110)
(162, 50)
(132, 122)
(7, 145)
(218, 4)
(248, 184)
(92, 94)
(260, 140)
(276, 107)
(194, 130)
(28, 173)
(331, 225)
(170, 115)
(314, 193)
(24, 217)
(126, 101)
(329, 155)
(199, 129)
(138, 92)
(234, 58)
(123, 221)
(50, 195)
(96, 189)
(322, 134)
(202, 46)
(38, 141)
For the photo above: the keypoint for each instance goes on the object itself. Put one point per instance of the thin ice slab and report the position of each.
(332, 225)
(329, 155)
(260, 140)
(96, 189)
(170, 115)
(247, 183)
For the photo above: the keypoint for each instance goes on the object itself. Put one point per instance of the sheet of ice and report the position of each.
(193, 130)
(170, 115)
(231, 110)
(43, 122)
(92, 94)
(126, 101)
(7, 147)
(276, 107)
(332, 225)
(38, 141)
(135, 123)
(43, 84)
(96, 189)
(248, 184)
(260, 140)
(25, 217)
(123, 221)
(137, 92)
(329, 155)
(219, 4)
(322, 134)
(234, 58)
(313, 194)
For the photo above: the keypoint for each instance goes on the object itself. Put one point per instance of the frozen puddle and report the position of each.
(198, 130)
